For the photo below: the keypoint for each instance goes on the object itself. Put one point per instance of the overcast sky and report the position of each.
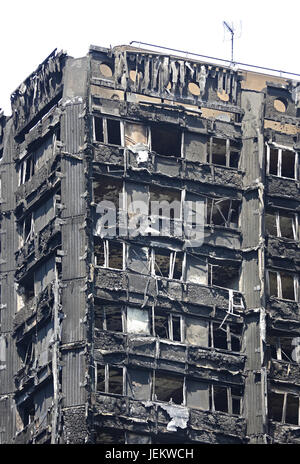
(31, 29)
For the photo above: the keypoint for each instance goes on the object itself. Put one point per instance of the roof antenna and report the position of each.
(231, 29)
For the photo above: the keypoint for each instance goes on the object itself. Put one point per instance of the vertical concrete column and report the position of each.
(252, 224)
(74, 245)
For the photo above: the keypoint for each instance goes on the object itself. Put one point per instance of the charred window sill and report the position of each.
(283, 309)
(284, 371)
(29, 373)
(282, 428)
(108, 154)
(282, 187)
(43, 250)
(116, 281)
(156, 412)
(27, 252)
(147, 348)
(45, 178)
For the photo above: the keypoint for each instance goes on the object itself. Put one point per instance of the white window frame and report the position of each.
(280, 149)
(279, 286)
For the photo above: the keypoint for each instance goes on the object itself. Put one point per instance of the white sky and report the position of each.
(31, 29)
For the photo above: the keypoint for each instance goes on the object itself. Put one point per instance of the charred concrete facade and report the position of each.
(145, 339)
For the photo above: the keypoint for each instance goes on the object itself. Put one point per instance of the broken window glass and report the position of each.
(166, 140)
(168, 387)
(222, 212)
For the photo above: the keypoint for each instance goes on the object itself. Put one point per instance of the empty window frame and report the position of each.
(168, 387)
(225, 336)
(282, 162)
(168, 326)
(224, 275)
(110, 379)
(222, 212)
(284, 408)
(282, 224)
(283, 285)
(167, 263)
(223, 152)
(109, 253)
(107, 130)
(166, 140)
(226, 399)
(283, 348)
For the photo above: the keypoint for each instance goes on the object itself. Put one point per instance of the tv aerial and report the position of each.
(232, 30)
